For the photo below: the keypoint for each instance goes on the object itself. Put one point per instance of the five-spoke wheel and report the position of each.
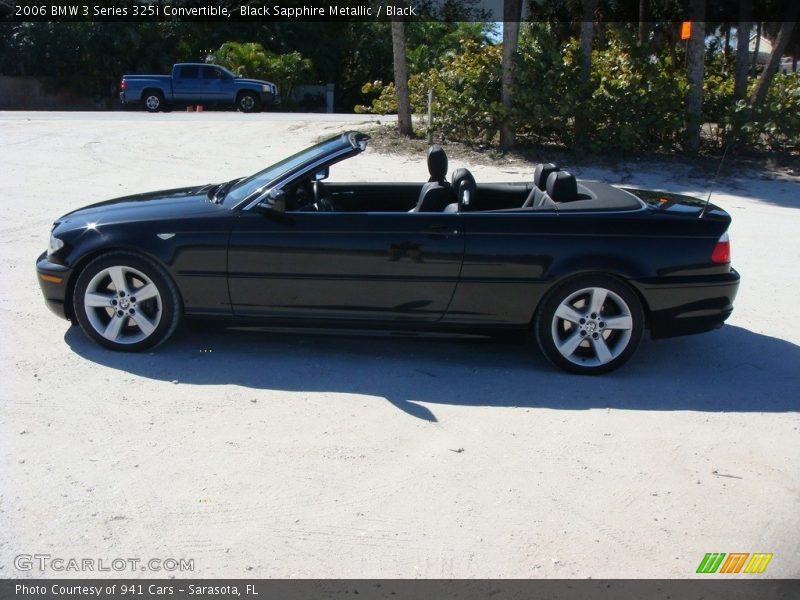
(590, 324)
(126, 302)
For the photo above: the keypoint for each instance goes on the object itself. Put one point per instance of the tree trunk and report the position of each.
(512, 12)
(587, 41)
(760, 93)
(643, 22)
(600, 34)
(695, 71)
(757, 48)
(743, 48)
(401, 78)
(726, 45)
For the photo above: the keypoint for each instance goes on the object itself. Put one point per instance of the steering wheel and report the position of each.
(321, 199)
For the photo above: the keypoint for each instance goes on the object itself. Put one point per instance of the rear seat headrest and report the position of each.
(541, 173)
(562, 187)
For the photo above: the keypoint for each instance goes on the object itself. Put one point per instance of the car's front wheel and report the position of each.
(124, 301)
(589, 325)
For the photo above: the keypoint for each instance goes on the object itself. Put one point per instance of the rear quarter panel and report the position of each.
(513, 258)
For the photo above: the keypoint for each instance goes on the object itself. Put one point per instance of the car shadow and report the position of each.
(730, 370)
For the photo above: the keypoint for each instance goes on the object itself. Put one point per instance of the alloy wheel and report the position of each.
(592, 326)
(122, 304)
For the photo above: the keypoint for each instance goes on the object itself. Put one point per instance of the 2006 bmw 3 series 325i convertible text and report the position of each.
(583, 266)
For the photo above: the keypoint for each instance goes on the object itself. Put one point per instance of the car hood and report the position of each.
(161, 205)
(253, 81)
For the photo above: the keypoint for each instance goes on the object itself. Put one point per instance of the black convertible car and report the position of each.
(583, 266)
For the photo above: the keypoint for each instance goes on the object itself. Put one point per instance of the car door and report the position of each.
(211, 83)
(380, 266)
(186, 83)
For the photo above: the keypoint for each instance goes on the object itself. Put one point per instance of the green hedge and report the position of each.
(634, 102)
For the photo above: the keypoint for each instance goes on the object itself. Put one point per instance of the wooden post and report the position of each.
(430, 116)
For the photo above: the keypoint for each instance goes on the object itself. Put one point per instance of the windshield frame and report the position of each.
(292, 167)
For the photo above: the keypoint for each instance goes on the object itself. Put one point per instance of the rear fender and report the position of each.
(623, 267)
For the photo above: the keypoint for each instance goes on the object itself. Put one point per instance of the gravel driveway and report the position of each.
(277, 454)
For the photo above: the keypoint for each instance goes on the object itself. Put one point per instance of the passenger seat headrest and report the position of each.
(465, 186)
(562, 187)
(541, 173)
(437, 163)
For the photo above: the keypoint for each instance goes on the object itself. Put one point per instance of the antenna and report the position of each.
(713, 181)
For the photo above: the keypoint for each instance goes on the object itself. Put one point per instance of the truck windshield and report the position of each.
(248, 185)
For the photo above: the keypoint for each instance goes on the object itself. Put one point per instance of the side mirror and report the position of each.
(320, 175)
(275, 201)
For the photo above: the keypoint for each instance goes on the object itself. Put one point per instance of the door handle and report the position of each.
(443, 229)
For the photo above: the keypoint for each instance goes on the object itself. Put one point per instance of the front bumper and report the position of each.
(269, 99)
(54, 281)
(689, 305)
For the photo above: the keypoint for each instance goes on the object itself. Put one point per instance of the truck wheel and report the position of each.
(248, 102)
(153, 101)
(589, 325)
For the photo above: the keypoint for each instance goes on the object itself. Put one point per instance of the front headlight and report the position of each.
(265, 88)
(54, 246)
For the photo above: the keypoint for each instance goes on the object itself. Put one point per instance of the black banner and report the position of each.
(362, 10)
(401, 589)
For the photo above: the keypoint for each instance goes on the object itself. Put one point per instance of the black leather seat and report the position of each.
(562, 187)
(537, 196)
(437, 193)
(466, 191)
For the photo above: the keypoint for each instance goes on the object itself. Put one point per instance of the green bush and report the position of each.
(252, 60)
(775, 125)
(466, 93)
(548, 95)
(635, 101)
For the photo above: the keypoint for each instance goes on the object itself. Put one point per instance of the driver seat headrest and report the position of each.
(437, 163)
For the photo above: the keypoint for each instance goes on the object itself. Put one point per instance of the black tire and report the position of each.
(128, 323)
(248, 102)
(153, 101)
(591, 342)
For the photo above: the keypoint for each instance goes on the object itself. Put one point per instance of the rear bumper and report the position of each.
(689, 304)
(53, 280)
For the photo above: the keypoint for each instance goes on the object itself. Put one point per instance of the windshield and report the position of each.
(229, 72)
(248, 185)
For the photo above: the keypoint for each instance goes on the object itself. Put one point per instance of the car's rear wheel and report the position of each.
(124, 301)
(153, 101)
(248, 102)
(590, 325)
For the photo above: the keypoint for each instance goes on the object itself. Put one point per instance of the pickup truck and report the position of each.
(197, 83)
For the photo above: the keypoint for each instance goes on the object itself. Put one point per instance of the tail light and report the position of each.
(122, 85)
(722, 251)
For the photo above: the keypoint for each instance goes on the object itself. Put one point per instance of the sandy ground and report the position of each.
(288, 455)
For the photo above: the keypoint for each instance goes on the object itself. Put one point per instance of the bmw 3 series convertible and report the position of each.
(582, 266)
